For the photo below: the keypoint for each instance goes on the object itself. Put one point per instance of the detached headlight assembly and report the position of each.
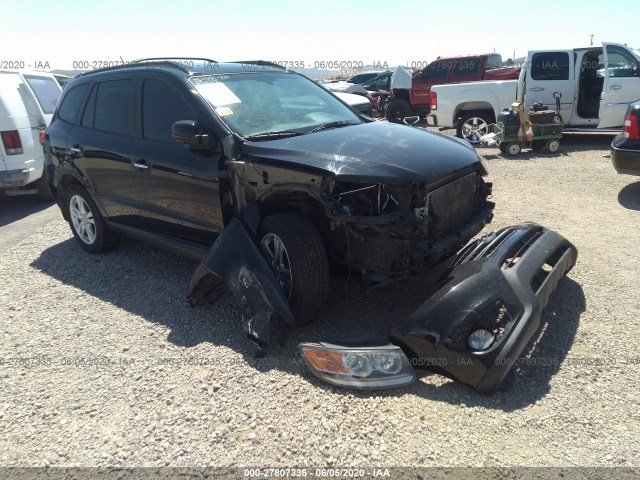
(362, 368)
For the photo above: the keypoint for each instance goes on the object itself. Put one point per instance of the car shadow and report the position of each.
(14, 208)
(629, 196)
(151, 284)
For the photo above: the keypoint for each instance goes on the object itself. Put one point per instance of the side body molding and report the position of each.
(235, 262)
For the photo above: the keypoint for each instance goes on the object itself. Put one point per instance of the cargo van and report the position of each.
(27, 102)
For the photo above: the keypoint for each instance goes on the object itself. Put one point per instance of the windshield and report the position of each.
(268, 103)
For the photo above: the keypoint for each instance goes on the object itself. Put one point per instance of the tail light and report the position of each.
(434, 101)
(42, 136)
(11, 141)
(631, 127)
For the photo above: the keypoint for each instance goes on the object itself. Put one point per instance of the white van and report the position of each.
(27, 102)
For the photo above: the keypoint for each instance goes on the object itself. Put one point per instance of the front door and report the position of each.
(178, 186)
(621, 84)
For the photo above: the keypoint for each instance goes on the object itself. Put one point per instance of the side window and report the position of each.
(550, 66)
(436, 70)
(112, 106)
(467, 66)
(384, 83)
(71, 103)
(621, 63)
(162, 106)
(90, 109)
(47, 91)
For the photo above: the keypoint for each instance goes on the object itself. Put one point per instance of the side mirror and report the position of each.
(188, 132)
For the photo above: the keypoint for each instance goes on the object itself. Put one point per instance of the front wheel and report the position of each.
(552, 146)
(293, 247)
(474, 125)
(514, 149)
(87, 225)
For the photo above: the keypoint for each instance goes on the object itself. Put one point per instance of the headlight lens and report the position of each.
(480, 339)
(362, 368)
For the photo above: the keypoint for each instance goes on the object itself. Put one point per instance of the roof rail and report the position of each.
(168, 59)
(134, 64)
(264, 63)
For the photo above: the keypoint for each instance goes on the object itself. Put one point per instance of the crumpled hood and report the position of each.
(377, 151)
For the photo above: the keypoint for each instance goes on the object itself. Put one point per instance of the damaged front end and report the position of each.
(385, 230)
(482, 317)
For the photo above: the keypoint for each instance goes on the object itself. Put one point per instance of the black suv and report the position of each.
(262, 176)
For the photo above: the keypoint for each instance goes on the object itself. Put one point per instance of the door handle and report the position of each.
(615, 87)
(76, 150)
(536, 89)
(141, 164)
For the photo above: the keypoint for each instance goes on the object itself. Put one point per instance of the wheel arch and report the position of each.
(479, 107)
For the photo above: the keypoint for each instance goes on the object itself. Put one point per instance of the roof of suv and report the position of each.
(191, 66)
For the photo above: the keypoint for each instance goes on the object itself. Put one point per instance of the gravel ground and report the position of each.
(123, 372)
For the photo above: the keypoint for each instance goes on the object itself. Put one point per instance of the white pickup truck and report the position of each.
(596, 83)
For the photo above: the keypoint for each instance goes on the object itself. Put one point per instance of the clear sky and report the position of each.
(62, 32)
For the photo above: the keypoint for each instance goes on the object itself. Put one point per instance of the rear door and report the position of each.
(178, 186)
(549, 72)
(100, 146)
(621, 84)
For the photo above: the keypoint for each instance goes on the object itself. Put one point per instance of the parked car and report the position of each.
(270, 181)
(595, 83)
(363, 77)
(27, 102)
(381, 82)
(445, 70)
(625, 148)
(358, 102)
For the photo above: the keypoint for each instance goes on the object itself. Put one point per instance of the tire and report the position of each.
(45, 190)
(397, 109)
(92, 234)
(472, 125)
(503, 147)
(514, 149)
(552, 146)
(307, 284)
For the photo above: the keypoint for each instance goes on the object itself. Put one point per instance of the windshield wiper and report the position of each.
(268, 135)
(342, 123)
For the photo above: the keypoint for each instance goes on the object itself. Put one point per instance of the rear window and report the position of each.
(71, 104)
(47, 91)
(550, 66)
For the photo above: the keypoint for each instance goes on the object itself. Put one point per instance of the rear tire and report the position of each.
(45, 190)
(397, 109)
(87, 224)
(307, 280)
(473, 125)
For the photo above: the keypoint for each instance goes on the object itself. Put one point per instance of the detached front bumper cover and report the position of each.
(487, 309)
